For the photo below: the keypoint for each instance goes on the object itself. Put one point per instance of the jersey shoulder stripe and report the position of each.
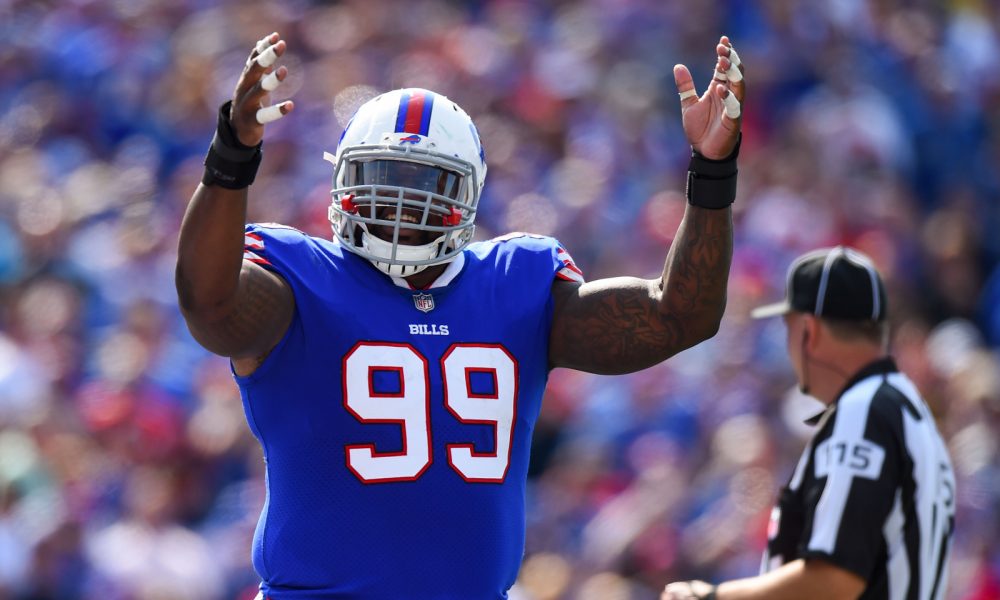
(569, 270)
(266, 243)
(564, 267)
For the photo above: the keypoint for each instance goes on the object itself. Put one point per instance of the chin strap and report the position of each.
(378, 248)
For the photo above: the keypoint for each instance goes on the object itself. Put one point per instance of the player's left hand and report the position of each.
(712, 121)
(688, 590)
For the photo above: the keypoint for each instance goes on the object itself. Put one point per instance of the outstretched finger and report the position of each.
(734, 66)
(685, 86)
(733, 108)
(272, 80)
(720, 74)
(263, 59)
(263, 43)
(260, 63)
(269, 114)
(734, 69)
(260, 76)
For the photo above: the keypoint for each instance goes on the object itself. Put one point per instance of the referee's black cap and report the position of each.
(837, 283)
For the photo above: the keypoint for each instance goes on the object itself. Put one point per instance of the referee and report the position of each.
(870, 508)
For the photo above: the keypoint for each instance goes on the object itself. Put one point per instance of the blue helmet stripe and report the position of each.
(404, 103)
(425, 118)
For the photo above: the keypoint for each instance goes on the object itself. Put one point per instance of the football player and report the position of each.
(393, 373)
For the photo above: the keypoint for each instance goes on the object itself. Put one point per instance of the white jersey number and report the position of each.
(498, 408)
(409, 407)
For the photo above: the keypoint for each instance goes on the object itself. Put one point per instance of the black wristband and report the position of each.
(712, 183)
(230, 163)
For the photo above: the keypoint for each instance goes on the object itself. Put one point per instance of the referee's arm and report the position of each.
(815, 579)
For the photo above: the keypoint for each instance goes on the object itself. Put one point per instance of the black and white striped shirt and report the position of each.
(874, 491)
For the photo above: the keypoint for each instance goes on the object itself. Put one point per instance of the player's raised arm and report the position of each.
(233, 308)
(625, 324)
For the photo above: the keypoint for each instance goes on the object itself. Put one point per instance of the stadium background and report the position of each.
(126, 470)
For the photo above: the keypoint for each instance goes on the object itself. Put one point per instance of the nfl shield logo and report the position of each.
(424, 302)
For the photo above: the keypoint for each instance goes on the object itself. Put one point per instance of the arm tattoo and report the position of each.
(261, 313)
(698, 264)
(625, 324)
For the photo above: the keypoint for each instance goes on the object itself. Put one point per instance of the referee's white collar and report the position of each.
(823, 416)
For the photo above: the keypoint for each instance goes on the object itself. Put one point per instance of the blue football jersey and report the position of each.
(396, 423)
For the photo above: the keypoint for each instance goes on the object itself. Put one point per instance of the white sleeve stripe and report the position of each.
(929, 456)
(252, 240)
(800, 468)
(253, 257)
(569, 271)
(570, 275)
(574, 268)
(850, 420)
(898, 566)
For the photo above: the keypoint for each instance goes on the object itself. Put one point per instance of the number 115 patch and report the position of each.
(861, 457)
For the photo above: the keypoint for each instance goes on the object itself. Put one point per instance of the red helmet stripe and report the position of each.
(414, 113)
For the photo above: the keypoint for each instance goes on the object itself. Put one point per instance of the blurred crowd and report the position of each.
(126, 467)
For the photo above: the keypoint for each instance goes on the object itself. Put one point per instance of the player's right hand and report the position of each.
(251, 107)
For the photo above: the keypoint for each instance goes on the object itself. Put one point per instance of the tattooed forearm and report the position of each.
(626, 324)
(696, 274)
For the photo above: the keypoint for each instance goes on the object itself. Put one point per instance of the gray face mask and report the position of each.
(386, 199)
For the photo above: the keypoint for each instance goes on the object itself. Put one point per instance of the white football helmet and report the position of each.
(408, 160)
